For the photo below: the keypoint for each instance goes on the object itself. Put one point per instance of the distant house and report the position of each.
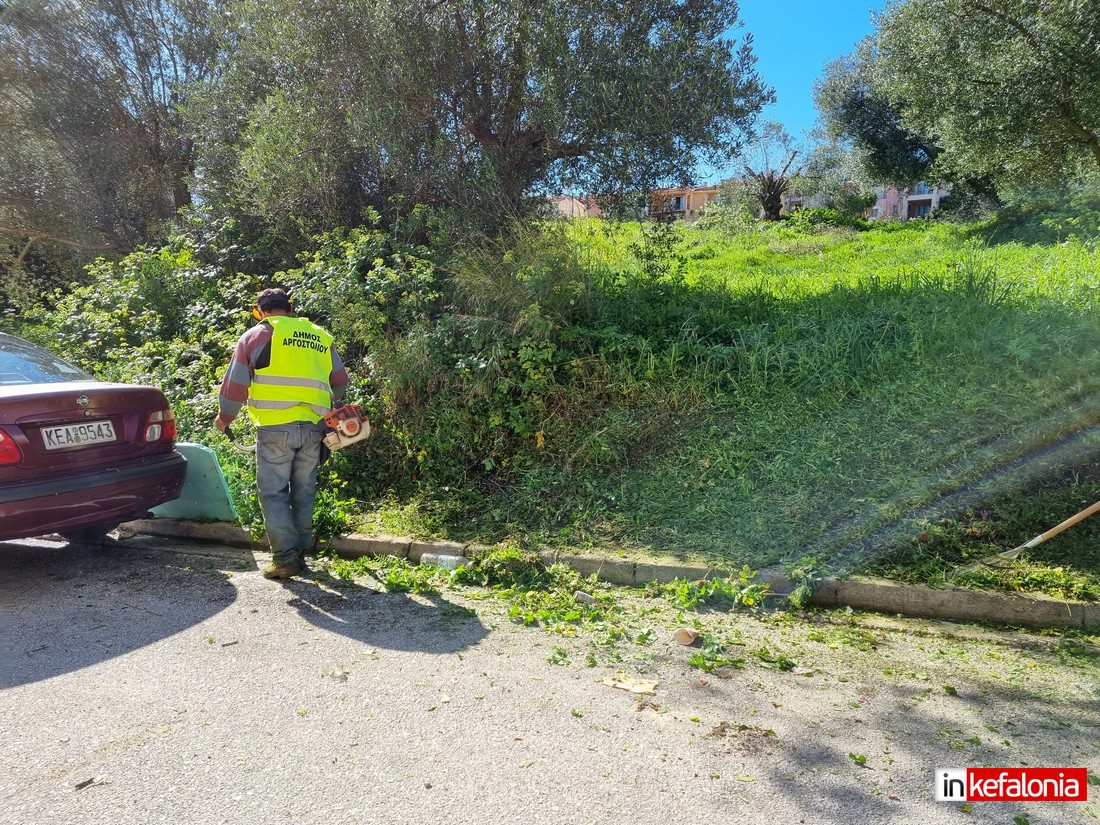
(793, 201)
(576, 206)
(685, 202)
(902, 204)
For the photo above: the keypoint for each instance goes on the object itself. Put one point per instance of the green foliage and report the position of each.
(774, 661)
(367, 286)
(714, 655)
(93, 154)
(157, 317)
(1066, 566)
(730, 216)
(1063, 216)
(806, 220)
(474, 106)
(537, 593)
(859, 110)
(332, 513)
(394, 574)
(1030, 114)
(727, 593)
(508, 567)
(769, 165)
(792, 392)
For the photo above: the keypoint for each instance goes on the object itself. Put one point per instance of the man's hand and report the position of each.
(223, 421)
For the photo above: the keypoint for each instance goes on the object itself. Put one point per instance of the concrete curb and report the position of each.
(879, 595)
(958, 604)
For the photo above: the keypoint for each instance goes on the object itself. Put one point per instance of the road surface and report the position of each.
(162, 681)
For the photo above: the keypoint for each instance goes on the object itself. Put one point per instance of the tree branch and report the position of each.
(1090, 139)
(34, 237)
(1018, 26)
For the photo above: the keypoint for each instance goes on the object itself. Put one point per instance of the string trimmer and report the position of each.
(347, 424)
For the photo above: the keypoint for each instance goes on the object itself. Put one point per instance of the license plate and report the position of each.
(78, 435)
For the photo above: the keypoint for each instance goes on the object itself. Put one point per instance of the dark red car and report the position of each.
(78, 456)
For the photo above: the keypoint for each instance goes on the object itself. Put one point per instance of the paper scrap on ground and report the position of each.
(624, 681)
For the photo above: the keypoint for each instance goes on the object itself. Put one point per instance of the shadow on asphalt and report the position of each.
(425, 623)
(65, 606)
(1007, 726)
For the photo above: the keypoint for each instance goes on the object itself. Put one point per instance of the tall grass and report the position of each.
(745, 394)
(774, 395)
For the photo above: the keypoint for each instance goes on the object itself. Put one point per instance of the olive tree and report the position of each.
(1009, 89)
(856, 109)
(327, 107)
(92, 155)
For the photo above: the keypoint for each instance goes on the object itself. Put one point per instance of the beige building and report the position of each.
(686, 202)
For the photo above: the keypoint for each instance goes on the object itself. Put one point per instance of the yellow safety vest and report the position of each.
(295, 385)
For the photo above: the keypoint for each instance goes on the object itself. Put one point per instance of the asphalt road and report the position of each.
(159, 681)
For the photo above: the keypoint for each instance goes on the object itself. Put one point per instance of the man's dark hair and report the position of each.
(271, 299)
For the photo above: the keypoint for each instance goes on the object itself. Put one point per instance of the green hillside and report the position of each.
(806, 395)
(822, 397)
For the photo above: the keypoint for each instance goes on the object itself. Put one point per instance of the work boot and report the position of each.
(281, 571)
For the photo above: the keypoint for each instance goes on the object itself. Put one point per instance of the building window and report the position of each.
(922, 189)
(923, 209)
(678, 203)
(895, 210)
(874, 212)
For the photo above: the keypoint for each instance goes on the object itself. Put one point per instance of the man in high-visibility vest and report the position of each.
(288, 372)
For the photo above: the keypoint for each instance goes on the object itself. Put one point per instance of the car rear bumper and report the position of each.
(111, 495)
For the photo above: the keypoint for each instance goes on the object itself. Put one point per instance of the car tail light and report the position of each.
(161, 426)
(9, 450)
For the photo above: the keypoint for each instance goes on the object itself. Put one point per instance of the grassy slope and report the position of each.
(874, 387)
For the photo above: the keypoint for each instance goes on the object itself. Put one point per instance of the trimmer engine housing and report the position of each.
(349, 426)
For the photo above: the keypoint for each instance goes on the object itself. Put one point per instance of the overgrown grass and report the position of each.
(745, 395)
(1066, 565)
(776, 396)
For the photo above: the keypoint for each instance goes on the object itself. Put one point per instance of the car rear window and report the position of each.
(23, 363)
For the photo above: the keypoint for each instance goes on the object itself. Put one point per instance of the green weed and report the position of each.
(714, 655)
(717, 594)
(396, 575)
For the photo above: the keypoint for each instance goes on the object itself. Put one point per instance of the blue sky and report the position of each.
(794, 39)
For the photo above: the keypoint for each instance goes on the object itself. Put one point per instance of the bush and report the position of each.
(808, 220)
(156, 317)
